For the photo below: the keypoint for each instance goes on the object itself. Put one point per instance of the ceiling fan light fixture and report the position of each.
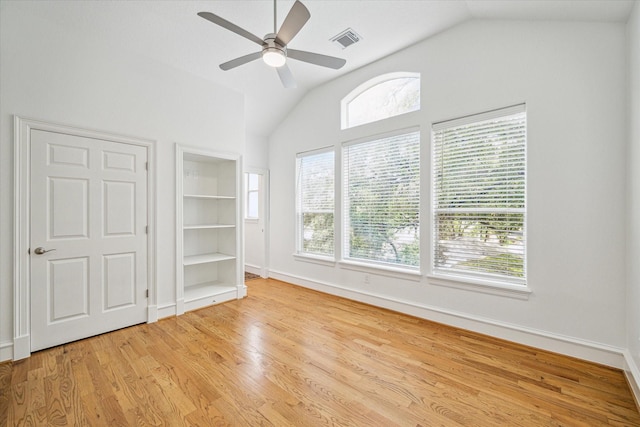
(274, 57)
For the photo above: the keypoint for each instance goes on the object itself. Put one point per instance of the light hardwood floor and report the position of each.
(290, 356)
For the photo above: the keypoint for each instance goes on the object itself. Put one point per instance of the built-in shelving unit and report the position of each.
(208, 232)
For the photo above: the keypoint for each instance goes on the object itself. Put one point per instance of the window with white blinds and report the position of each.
(381, 179)
(479, 200)
(315, 203)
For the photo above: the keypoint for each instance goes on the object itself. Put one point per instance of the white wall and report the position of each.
(573, 78)
(51, 74)
(633, 242)
(256, 152)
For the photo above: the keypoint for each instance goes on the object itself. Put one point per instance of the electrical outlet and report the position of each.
(366, 279)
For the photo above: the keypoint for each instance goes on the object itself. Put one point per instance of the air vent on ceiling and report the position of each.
(346, 38)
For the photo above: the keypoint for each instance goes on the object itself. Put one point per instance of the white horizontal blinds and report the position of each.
(382, 200)
(479, 195)
(315, 203)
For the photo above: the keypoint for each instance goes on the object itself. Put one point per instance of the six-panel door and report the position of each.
(88, 237)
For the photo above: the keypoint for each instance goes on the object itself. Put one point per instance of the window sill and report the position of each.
(479, 285)
(315, 259)
(382, 270)
(251, 220)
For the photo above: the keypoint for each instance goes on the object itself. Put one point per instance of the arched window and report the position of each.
(384, 96)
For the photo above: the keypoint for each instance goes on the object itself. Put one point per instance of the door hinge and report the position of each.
(146, 229)
(146, 165)
(147, 293)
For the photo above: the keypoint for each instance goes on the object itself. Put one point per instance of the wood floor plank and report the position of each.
(288, 356)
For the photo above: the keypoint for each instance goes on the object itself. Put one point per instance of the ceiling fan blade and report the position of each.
(240, 61)
(286, 77)
(316, 58)
(293, 23)
(231, 27)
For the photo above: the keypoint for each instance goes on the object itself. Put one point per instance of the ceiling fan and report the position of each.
(274, 50)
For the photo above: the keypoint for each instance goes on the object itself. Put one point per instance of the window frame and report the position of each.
(367, 265)
(247, 200)
(493, 284)
(328, 259)
(369, 84)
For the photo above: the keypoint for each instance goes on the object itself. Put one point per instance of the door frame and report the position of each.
(22, 128)
(264, 269)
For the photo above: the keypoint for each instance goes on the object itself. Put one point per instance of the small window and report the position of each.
(479, 177)
(380, 98)
(315, 203)
(382, 200)
(252, 191)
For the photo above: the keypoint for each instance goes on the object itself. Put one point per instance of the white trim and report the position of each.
(381, 135)
(22, 153)
(253, 269)
(264, 211)
(480, 117)
(21, 347)
(152, 313)
(381, 269)
(179, 307)
(363, 87)
(491, 287)
(21, 324)
(179, 159)
(327, 149)
(6, 351)
(315, 259)
(168, 310)
(574, 347)
(632, 373)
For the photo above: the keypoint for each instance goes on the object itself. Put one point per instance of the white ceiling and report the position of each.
(170, 32)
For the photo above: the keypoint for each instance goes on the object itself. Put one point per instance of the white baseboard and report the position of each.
(254, 269)
(632, 372)
(152, 314)
(6, 351)
(168, 310)
(582, 349)
(21, 347)
(242, 292)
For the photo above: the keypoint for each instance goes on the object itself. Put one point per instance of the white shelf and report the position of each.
(205, 196)
(208, 263)
(205, 258)
(207, 289)
(201, 226)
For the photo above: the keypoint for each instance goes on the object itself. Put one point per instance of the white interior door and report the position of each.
(88, 245)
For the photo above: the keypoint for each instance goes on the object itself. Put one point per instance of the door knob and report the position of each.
(40, 250)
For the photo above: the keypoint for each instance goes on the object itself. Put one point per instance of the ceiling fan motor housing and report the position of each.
(273, 53)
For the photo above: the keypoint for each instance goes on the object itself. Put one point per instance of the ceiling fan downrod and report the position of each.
(275, 14)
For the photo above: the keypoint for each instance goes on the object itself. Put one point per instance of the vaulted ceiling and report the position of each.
(171, 33)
